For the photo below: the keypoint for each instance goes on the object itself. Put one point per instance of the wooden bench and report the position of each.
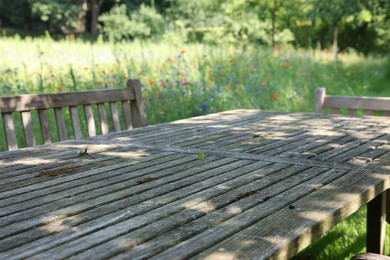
(129, 100)
(354, 105)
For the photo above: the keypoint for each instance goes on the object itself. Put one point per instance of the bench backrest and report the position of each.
(129, 100)
(353, 104)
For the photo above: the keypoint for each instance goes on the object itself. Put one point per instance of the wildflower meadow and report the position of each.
(189, 80)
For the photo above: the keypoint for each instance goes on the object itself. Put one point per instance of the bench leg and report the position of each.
(376, 224)
(388, 206)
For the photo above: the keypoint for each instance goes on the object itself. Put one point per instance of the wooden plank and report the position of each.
(115, 117)
(207, 237)
(198, 215)
(127, 114)
(369, 112)
(352, 112)
(137, 105)
(37, 179)
(103, 118)
(335, 110)
(28, 129)
(386, 113)
(138, 206)
(45, 129)
(90, 120)
(75, 122)
(45, 101)
(9, 128)
(61, 127)
(310, 217)
(364, 103)
(61, 189)
(376, 224)
(319, 100)
(388, 206)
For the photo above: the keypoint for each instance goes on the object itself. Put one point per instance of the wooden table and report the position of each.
(268, 185)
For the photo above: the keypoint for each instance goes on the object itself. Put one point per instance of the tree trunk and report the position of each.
(95, 8)
(273, 23)
(335, 44)
(83, 18)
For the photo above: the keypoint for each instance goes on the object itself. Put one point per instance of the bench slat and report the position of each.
(351, 112)
(133, 112)
(61, 128)
(44, 101)
(75, 122)
(115, 117)
(90, 120)
(103, 118)
(137, 105)
(9, 128)
(127, 115)
(364, 103)
(28, 129)
(44, 121)
(335, 110)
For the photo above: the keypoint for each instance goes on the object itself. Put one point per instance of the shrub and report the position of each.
(142, 24)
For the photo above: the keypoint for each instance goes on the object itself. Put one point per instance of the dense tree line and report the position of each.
(360, 24)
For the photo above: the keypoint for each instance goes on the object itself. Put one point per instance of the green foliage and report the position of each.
(56, 13)
(10, 11)
(361, 25)
(141, 24)
(200, 156)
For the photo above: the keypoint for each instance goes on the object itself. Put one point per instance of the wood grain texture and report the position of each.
(127, 114)
(90, 120)
(319, 100)
(61, 127)
(85, 99)
(364, 103)
(103, 118)
(376, 224)
(268, 185)
(137, 104)
(28, 129)
(65, 99)
(74, 115)
(9, 128)
(115, 116)
(351, 103)
(45, 128)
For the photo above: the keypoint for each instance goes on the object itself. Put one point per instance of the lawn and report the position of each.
(182, 81)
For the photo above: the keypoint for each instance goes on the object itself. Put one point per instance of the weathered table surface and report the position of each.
(268, 185)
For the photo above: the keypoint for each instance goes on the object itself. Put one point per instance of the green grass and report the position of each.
(345, 240)
(184, 81)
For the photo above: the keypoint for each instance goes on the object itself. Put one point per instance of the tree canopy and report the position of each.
(360, 24)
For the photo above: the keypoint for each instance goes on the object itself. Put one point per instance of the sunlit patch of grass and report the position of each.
(343, 241)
